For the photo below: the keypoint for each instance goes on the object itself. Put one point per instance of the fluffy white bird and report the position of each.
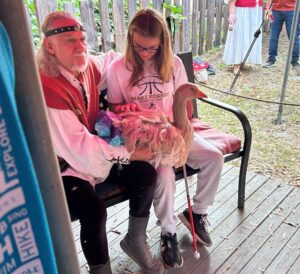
(148, 129)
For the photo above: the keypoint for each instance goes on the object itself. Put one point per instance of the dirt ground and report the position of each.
(275, 146)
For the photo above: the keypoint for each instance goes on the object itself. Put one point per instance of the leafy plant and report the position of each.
(174, 17)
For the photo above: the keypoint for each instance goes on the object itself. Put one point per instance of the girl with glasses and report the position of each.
(146, 77)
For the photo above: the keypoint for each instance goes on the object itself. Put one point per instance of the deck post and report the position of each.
(32, 111)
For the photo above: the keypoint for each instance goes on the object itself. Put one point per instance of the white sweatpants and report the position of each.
(210, 161)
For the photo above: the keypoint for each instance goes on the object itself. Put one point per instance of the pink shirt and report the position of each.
(150, 92)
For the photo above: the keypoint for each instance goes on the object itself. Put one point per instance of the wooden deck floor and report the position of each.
(264, 237)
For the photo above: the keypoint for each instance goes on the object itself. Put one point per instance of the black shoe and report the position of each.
(169, 251)
(268, 64)
(296, 66)
(201, 226)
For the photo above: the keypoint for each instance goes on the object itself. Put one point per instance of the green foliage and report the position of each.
(34, 23)
(175, 12)
(174, 17)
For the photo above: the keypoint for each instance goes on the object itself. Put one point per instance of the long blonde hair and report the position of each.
(47, 63)
(149, 23)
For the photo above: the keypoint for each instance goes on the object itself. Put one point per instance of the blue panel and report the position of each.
(25, 243)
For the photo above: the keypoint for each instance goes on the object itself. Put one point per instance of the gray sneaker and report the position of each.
(268, 64)
(296, 66)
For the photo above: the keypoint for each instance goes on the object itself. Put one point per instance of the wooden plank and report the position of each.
(202, 14)
(106, 40)
(218, 28)
(158, 5)
(295, 269)
(291, 250)
(42, 9)
(86, 8)
(183, 233)
(232, 217)
(225, 22)
(242, 230)
(225, 203)
(186, 24)
(119, 24)
(131, 9)
(264, 256)
(69, 7)
(272, 230)
(210, 24)
(195, 14)
(288, 255)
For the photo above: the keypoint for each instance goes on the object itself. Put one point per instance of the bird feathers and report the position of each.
(149, 129)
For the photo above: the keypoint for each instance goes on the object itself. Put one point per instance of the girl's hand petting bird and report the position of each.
(127, 107)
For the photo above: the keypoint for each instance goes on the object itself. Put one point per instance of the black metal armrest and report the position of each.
(239, 114)
(244, 152)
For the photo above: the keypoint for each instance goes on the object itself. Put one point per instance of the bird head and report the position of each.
(189, 91)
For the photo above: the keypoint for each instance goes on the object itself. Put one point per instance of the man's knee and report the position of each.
(146, 174)
(93, 206)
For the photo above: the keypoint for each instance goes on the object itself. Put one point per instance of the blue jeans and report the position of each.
(281, 17)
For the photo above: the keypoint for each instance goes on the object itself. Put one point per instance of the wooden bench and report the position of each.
(114, 193)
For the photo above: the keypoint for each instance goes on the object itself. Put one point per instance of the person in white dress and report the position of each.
(245, 17)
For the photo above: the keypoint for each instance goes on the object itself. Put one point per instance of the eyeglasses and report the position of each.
(141, 49)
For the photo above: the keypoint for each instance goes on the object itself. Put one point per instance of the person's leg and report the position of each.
(288, 23)
(84, 204)
(140, 179)
(210, 161)
(236, 69)
(276, 28)
(163, 203)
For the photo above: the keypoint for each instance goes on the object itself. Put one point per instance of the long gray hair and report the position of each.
(47, 63)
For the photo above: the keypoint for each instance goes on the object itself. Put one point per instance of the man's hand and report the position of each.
(269, 15)
(127, 107)
(231, 19)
